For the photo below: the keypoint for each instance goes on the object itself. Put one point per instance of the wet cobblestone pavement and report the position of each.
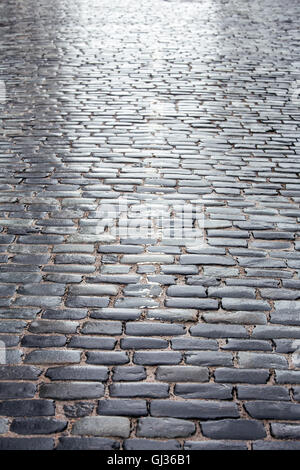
(121, 339)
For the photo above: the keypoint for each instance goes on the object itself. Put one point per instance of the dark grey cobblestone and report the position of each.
(27, 408)
(243, 429)
(151, 444)
(71, 390)
(102, 426)
(164, 428)
(87, 443)
(123, 407)
(79, 409)
(211, 391)
(214, 445)
(145, 389)
(194, 409)
(37, 425)
(126, 340)
(13, 443)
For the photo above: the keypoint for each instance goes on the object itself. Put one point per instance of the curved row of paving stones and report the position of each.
(138, 342)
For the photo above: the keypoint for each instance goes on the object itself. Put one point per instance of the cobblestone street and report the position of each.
(149, 219)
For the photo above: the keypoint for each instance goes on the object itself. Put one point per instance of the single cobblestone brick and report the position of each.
(31, 426)
(214, 445)
(72, 390)
(79, 409)
(102, 426)
(241, 429)
(122, 407)
(165, 428)
(87, 443)
(149, 444)
(92, 373)
(52, 356)
(273, 410)
(194, 409)
(210, 390)
(182, 374)
(145, 389)
(27, 408)
(34, 443)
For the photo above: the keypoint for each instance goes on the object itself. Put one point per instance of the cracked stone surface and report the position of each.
(149, 339)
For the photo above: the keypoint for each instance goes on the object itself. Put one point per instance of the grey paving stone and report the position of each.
(209, 358)
(182, 343)
(71, 390)
(249, 376)
(49, 326)
(273, 410)
(219, 331)
(165, 428)
(102, 327)
(182, 374)
(247, 345)
(107, 358)
(27, 408)
(287, 376)
(12, 372)
(43, 341)
(241, 429)
(123, 314)
(42, 289)
(36, 301)
(147, 258)
(156, 358)
(201, 304)
(52, 356)
(285, 430)
(122, 407)
(102, 291)
(151, 444)
(92, 342)
(241, 304)
(214, 445)
(232, 292)
(278, 445)
(186, 291)
(90, 289)
(41, 425)
(144, 389)
(79, 409)
(81, 372)
(255, 360)
(132, 373)
(203, 259)
(117, 279)
(34, 443)
(153, 329)
(274, 332)
(256, 392)
(240, 318)
(85, 301)
(11, 390)
(87, 443)
(102, 426)
(4, 425)
(211, 391)
(134, 302)
(194, 409)
(143, 343)
(178, 269)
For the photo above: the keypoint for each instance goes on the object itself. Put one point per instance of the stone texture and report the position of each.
(102, 426)
(119, 327)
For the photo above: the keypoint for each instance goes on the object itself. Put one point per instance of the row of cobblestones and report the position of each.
(117, 334)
